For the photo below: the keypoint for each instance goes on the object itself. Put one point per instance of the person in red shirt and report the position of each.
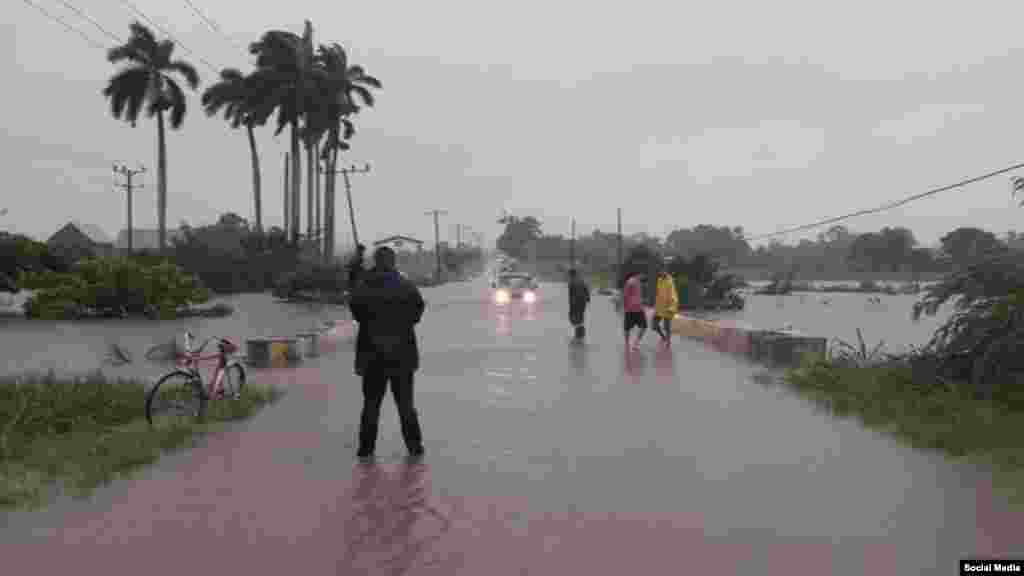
(634, 315)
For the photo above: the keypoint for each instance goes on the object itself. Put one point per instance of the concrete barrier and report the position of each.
(272, 352)
(774, 347)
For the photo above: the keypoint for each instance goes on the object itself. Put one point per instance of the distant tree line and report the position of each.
(835, 251)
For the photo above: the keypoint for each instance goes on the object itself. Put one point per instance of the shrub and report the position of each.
(112, 286)
(986, 329)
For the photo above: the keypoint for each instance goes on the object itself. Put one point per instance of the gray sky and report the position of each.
(743, 113)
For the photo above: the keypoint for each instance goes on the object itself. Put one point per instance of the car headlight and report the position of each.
(501, 296)
(530, 297)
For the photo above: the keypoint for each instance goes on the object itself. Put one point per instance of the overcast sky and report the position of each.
(742, 113)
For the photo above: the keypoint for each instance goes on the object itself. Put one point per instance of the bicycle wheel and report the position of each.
(176, 398)
(234, 381)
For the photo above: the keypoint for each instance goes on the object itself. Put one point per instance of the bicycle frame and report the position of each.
(189, 362)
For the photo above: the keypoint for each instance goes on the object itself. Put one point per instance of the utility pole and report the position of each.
(287, 197)
(572, 246)
(437, 241)
(619, 271)
(129, 188)
(348, 195)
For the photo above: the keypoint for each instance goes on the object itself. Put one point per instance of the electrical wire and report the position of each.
(88, 19)
(888, 206)
(69, 27)
(142, 15)
(213, 25)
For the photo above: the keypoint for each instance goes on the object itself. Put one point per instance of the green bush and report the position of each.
(112, 286)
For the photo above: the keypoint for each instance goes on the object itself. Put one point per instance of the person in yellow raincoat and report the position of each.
(666, 306)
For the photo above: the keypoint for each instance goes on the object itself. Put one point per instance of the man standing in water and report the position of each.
(387, 307)
(633, 314)
(579, 297)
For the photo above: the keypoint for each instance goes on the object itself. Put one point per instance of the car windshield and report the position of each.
(514, 282)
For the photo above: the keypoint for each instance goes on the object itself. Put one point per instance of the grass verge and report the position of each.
(80, 433)
(937, 417)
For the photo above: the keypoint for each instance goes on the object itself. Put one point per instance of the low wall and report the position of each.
(774, 347)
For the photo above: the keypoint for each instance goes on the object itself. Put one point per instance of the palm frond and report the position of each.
(127, 87)
(187, 71)
(176, 102)
(127, 52)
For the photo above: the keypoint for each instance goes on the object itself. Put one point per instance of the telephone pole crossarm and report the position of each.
(129, 188)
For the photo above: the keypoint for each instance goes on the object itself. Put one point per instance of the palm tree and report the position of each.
(231, 94)
(284, 66)
(147, 80)
(342, 91)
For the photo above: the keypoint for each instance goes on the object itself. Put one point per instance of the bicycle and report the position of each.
(185, 390)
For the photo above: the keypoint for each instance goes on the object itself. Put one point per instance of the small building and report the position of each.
(400, 243)
(411, 258)
(76, 240)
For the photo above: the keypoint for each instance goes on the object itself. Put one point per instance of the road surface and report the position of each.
(542, 458)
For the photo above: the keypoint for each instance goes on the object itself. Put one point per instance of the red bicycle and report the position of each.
(182, 393)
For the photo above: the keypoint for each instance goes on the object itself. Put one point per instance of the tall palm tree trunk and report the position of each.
(161, 190)
(256, 194)
(296, 182)
(286, 215)
(329, 203)
(310, 189)
(316, 175)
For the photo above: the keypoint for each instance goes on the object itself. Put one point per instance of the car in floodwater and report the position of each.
(514, 286)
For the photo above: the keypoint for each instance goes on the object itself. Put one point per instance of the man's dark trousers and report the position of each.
(375, 386)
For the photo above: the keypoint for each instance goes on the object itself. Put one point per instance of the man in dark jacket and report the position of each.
(387, 307)
(579, 297)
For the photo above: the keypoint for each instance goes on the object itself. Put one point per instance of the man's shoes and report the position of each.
(415, 455)
(365, 457)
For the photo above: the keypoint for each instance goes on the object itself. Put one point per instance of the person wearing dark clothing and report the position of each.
(579, 297)
(387, 307)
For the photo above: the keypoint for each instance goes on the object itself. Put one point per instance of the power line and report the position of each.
(888, 206)
(213, 25)
(87, 18)
(138, 12)
(69, 27)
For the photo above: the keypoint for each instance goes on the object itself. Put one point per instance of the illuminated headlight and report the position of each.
(530, 297)
(501, 296)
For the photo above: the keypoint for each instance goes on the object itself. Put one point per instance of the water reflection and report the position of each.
(665, 364)
(578, 357)
(381, 532)
(634, 363)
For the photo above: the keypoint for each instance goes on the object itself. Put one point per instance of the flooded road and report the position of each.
(543, 457)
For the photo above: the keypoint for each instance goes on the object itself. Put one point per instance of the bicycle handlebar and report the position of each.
(188, 343)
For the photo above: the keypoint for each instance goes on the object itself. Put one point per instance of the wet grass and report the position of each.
(947, 418)
(79, 433)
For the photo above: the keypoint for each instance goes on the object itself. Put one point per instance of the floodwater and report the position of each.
(543, 457)
(75, 347)
(839, 315)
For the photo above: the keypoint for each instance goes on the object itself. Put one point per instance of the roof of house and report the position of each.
(95, 234)
(390, 239)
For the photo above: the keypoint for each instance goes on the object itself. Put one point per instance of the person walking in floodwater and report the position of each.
(579, 297)
(633, 313)
(387, 307)
(666, 306)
